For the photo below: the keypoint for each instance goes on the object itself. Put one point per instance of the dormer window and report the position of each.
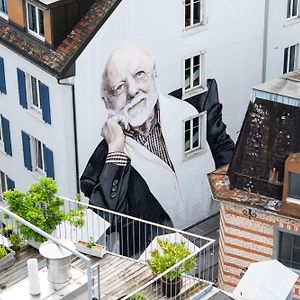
(3, 8)
(294, 188)
(35, 20)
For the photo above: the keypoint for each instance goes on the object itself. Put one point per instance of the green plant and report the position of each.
(172, 253)
(138, 296)
(15, 241)
(3, 252)
(90, 243)
(41, 207)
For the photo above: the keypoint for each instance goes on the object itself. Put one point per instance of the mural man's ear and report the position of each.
(154, 71)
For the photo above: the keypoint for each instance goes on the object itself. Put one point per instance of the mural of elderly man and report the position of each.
(139, 167)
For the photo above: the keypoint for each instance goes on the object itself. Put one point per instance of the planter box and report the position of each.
(96, 250)
(7, 261)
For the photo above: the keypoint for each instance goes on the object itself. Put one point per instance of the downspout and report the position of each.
(265, 41)
(70, 82)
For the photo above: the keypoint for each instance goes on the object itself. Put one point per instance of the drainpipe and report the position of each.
(265, 41)
(70, 82)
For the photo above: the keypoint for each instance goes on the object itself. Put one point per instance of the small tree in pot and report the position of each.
(171, 254)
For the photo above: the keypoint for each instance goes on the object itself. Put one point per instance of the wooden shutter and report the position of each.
(22, 88)
(6, 135)
(2, 77)
(45, 102)
(10, 184)
(49, 164)
(26, 151)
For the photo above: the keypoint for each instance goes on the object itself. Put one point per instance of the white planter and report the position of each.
(96, 250)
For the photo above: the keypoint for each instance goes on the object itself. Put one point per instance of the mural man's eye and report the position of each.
(140, 74)
(120, 89)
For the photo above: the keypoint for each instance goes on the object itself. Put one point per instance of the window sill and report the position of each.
(291, 21)
(36, 35)
(193, 92)
(4, 15)
(193, 153)
(38, 174)
(193, 29)
(35, 113)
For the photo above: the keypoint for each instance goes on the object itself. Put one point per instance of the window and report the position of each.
(195, 134)
(5, 141)
(290, 58)
(35, 20)
(193, 13)
(3, 8)
(2, 77)
(34, 95)
(5, 183)
(292, 9)
(288, 249)
(194, 72)
(37, 156)
(294, 188)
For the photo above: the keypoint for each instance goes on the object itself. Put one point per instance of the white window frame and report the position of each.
(194, 89)
(1, 135)
(289, 13)
(276, 248)
(193, 24)
(4, 14)
(37, 34)
(201, 148)
(29, 92)
(295, 66)
(35, 146)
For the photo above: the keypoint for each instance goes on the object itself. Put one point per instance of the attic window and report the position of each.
(3, 8)
(35, 20)
(294, 188)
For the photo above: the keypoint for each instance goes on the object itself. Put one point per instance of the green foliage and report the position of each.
(15, 241)
(138, 296)
(172, 253)
(40, 207)
(90, 242)
(3, 252)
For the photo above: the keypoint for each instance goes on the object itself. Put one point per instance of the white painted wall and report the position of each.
(232, 38)
(58, 136)
(282, 33)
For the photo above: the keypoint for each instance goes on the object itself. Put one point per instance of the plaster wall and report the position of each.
(57, 136)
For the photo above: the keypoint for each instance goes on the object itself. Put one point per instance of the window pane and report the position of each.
(285, 248)
(187, 79)
(31, 17)
(187, 16)
(288, 11)
(196, 17)
(294, 186)
(296, 254)
(295, 8)
(187, 135)
(3, 182)
(285, 60)
(292, 58)
(196, 76)
(3, 6)
(34, 91)
(195, 137)
(39, 159)
(196, 60)
(41, 22)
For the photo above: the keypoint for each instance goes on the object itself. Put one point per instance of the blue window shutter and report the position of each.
(45, 102)
(10, 183)
(26, 150)
(49, 164)
(2, 77)
(22, 88)
(6, 135)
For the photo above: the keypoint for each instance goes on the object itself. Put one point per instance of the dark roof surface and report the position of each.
(58, 61)
(270, 133)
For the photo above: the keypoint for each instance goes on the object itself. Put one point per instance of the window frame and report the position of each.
(289, 12)
(192, 24)
(30, 94)
(276, 244)
(3, 13)
(289, 198)
(287, 57)
(37, 34)
(202, 146)
(193, 90)
(35, 146)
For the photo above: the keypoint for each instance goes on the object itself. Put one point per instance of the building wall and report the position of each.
(58, 136)
(282, 33)
(245, 240)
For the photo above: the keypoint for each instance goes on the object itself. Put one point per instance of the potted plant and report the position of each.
(171, 254)
(42, 208)
(91, 248)
(7, 257)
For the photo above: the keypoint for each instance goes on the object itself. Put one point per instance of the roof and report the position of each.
(268, 135)
(287, 85)
(58, 61)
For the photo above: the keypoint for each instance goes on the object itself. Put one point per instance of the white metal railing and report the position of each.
(130, 241)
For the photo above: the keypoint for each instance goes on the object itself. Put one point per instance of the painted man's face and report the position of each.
(131, 85)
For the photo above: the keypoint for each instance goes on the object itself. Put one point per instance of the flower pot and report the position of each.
(95, 250)
(171, 288)
(8, 260)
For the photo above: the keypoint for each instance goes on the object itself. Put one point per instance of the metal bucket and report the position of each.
(58, 261)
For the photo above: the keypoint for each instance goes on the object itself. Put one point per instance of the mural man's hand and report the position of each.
(112, 132)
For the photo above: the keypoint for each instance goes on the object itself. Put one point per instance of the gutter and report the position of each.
(265, 41)
(70, 82)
